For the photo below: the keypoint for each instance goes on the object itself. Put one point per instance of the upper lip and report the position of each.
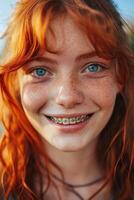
(68, 115)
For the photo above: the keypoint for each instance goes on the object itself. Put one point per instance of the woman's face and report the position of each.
(74, 87)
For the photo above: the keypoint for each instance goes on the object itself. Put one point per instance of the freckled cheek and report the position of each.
(33, 97)
(103, 95)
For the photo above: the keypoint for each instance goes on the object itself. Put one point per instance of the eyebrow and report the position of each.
(53, 61)
(85, 56)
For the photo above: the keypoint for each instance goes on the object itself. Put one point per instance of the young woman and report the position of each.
(67, 88)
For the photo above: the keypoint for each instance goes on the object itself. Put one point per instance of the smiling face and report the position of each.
(74, 87)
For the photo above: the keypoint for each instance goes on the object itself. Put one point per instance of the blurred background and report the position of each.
(125, 7)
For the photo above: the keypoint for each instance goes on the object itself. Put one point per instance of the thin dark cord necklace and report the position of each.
(72, 187)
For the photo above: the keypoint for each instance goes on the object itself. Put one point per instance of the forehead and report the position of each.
(65, 35)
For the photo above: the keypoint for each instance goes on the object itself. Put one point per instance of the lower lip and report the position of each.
(70, 128)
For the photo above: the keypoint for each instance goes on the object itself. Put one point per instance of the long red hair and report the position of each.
(21, 146)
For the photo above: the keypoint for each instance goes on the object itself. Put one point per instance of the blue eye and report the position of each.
(39, 72)
(95, 67)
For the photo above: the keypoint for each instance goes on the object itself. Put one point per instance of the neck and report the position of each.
(79, 167)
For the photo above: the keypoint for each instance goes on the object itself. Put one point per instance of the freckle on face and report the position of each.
(103, 92)
(99, 94)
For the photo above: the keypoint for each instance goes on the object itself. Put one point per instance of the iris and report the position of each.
(94, 68)
(40, 72)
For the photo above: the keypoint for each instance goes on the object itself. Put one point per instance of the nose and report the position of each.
(69, 94)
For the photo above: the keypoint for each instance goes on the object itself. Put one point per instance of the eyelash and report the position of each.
(33, 70)
(101, 66)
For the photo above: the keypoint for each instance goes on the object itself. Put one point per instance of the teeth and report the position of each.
(73, 120)
(65, 121)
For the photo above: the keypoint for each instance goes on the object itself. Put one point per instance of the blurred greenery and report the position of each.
(131, 38)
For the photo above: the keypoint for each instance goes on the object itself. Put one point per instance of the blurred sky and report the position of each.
(126, 8)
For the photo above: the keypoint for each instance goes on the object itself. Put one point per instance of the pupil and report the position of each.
(40, 72)
(93, 68)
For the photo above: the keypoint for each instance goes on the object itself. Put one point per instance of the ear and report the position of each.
(120, 76)
(120, 87)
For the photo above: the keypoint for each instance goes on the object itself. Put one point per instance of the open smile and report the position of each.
(69, 124)
(69, 120)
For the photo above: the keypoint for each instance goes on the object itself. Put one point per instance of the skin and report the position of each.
(70, 87)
